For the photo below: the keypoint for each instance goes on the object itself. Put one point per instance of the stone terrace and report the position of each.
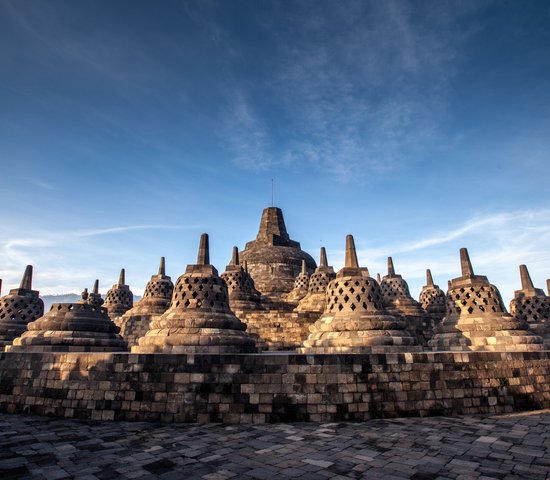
(485, 447)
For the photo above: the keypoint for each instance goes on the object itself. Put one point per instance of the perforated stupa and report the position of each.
(71, 327)
(355, 319)
(398, 302)
(530, 305)
(301, 285)
(135, 323)
(199, 318)
(95, 297)
(316, 297)
(19, 307)
(274, 260)
(433, 300)
(477, 319)
(119, 298)
(243, 296)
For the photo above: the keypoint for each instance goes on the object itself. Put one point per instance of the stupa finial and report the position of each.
(246, 266)
(526, 282)
(465, 263)
(429, 278)
(84, 295)
(304, 271)
(95, 291)
(391, 270)
(235, 256)
(323, 262)
(378, 278)
(162, 266)
(122, 277)
(204, 251)
(351, 253)
(26, 281)
(548, 286)
(0, 286)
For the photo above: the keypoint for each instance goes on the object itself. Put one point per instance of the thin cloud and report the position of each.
(129, 228)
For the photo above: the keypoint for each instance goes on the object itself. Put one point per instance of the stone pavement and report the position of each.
(485, 447)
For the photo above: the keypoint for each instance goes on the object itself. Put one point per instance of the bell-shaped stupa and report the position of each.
(433, 300)
(19, 307)
(355, 319)
(301, 285)
(398, 302)
(274, 260)
(95, 297)
(135, 323)
(199, 319)
(71, 327)
(316, 297)
(530, 305)
(477, 319)
(243, 296)
(119, 298)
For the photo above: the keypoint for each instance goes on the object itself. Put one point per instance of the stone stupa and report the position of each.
(433, 300)
(301, 285)
(398, 302)
(71, 327)
(355, 319)
(243, 296)
(19, 307)
(135, 323)
(95, 297)
(199, 319)
(477, 319)
(316, 297)
(530, 305)
(274, 260)
(119, 298)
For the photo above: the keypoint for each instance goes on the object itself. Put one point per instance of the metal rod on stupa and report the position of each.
(203, 257)
(351, 253)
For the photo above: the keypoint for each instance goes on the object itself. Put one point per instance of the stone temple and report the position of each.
(19, 307)
(274, 260)
(276, 338)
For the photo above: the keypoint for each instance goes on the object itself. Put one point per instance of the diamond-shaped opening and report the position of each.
(340, 307)
(346, 298)
(352, 306)
(470, 310)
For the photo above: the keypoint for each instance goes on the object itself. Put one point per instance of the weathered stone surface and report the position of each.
(71, 327)
(301, 286)
(19, 307)
(477, 319)
(119, 298)
(243, 296)
(316, 297)
(531, 306)
(274, 260)
(199, 318)
(355, 319)
(433, 300)
(95, 297)
(278, 387)
(135, 323)
(399, 303)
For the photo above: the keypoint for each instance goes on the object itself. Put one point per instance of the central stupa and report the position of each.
(274, 260)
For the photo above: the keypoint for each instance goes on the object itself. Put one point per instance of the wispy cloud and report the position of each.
(129, 228)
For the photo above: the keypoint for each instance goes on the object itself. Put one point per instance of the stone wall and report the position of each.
(277, 329)
(271, 387)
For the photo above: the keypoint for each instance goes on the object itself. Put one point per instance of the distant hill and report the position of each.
(49, 300)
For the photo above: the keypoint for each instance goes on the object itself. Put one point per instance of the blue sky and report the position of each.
(128, 128)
